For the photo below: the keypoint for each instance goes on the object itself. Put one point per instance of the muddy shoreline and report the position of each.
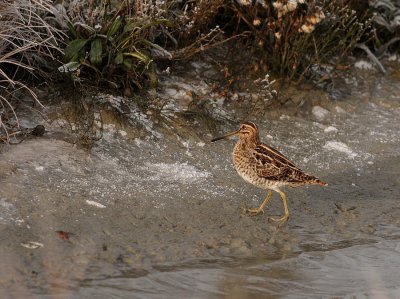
(135, 206)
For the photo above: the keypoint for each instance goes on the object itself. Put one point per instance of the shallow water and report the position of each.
(161, 216)
(360, 271)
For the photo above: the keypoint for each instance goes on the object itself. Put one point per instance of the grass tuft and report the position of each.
(27, 43)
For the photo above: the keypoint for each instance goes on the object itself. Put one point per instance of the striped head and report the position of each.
(248, 133)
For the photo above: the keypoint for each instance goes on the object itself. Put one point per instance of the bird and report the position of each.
(266, 168)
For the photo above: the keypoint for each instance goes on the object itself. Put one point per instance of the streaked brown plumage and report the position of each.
(265, 167)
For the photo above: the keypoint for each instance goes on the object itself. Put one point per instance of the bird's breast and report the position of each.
(245, 164)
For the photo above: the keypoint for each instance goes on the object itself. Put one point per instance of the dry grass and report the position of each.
(27, 43)
(117, 42)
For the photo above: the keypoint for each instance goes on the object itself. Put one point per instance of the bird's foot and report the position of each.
(254, 211)
(280, 220)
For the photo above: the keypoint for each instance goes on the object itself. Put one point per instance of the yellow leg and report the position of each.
(285, 217)
(255, 211)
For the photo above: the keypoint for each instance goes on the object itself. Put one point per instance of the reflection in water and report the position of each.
(361, 271)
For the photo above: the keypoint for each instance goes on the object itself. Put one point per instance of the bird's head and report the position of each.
(247, 132)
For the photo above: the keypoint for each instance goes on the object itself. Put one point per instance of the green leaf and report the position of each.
(128, 65)
(72, 51)
(162, 52)
(139, 56)
(130, 27)
(72, 30)
(119, 58)
(96, 51)
(114, 26)
(69, 67)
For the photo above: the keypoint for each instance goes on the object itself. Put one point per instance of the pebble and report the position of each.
(320, 113)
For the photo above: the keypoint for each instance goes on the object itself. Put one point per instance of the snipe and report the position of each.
(265, 167)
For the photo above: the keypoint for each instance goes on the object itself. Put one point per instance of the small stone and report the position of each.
(320, 113)
(330, 129)
(340, 109)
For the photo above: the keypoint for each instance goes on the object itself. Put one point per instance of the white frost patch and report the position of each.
(135, 114)
(122, 133)
(200, 65)
(4, 204)
(109, 127)
(364, 65)
(96, 204)
(340, 109)
(319, 125)
(32, 245)
(175, 172)
(6, 211)
(39, 168)
(340, 147)
(178, 94)
(139, 142)
(330, 129)
(319, 112)
(219, 101)
(201, 144)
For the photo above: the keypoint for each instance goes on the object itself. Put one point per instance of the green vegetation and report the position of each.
(115, 44)
(386, 33)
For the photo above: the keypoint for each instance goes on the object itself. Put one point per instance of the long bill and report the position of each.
(225, 136)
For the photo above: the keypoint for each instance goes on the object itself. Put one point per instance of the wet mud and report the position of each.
(163, 217)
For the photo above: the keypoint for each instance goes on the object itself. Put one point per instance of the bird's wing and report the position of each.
(273, 165)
